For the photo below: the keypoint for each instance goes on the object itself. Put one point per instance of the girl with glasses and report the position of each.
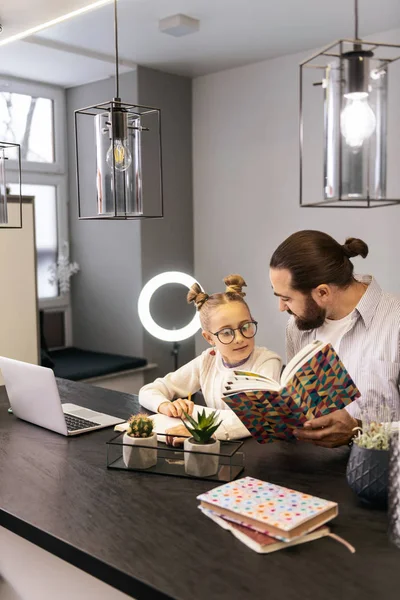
(230, 330)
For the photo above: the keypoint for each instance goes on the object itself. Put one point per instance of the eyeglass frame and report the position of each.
(234, 332)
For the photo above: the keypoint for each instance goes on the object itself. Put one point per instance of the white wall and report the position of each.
(246, 187)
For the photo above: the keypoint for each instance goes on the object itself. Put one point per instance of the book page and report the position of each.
(241, 381)
(253, 375)
(248, 384)
(299, 359)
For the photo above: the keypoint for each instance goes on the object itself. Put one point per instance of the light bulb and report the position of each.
(122, 155)
(357, 121)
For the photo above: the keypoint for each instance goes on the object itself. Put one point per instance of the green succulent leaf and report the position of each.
(190, 419)
(204, 427)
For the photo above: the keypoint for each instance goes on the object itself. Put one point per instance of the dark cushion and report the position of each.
(45, 359)
(75, 364)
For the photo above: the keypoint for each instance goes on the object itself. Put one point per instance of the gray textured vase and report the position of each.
(367, 475)
(394, 489)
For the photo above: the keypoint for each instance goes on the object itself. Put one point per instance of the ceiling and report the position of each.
(232, 33)
(17, 16)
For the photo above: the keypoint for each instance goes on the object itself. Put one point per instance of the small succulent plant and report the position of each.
(376, 429)
(204, 427)
(374, 436)
(140, 426)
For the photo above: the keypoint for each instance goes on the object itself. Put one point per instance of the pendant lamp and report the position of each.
(118, 157)
(350, 125)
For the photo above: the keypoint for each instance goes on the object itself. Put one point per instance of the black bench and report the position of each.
(77, 364)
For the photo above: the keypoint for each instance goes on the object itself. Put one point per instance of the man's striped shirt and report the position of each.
(370, 351)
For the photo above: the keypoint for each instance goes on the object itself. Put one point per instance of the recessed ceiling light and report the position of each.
(32, 30)
(179, 25)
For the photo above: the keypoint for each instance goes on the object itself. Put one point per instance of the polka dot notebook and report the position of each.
(272, 509)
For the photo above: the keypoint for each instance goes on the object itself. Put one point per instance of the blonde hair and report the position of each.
(205, 304)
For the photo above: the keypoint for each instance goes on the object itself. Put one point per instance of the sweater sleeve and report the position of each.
(178, 384)
(271, 368)
(231, 427)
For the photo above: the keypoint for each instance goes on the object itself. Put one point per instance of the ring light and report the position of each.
(168, 335)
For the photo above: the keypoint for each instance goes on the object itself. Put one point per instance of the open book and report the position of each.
(314, 383)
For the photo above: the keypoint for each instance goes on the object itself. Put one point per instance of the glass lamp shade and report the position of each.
(118, 166)
(355, 139)
(3, 189)
(353, 126)
(118, 149)
(10, 213)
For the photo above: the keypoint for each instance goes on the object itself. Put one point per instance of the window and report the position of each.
(34, 116)
(46, 233)
(28, 121)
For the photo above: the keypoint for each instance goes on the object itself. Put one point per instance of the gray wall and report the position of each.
(167, 244)
(118, 258)
(246, 185)
(105, 291)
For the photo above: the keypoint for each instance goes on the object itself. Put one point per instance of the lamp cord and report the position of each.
(116, 50)
(356, 20)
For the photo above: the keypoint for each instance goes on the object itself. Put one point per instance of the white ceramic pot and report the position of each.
(139, 458)
(201, 465)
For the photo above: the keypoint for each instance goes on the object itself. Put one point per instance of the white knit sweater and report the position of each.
(208, 374)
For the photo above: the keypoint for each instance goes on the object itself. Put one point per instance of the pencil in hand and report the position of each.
(190, 409)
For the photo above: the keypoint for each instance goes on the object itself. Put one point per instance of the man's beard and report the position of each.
(314, 316)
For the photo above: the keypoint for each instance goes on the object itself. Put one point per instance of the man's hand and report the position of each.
(176, 408)
(335, 429)
(173, 434)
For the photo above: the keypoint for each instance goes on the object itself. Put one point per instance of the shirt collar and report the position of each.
(224, 365)
(370, 299)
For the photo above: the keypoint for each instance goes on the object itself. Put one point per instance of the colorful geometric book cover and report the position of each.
(320, 386)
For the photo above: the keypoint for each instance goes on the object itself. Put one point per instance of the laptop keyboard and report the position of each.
(75, 423)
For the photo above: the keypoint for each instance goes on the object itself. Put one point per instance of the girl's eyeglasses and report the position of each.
(227, 335)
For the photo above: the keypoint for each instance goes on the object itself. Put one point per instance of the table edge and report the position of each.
(128, 584)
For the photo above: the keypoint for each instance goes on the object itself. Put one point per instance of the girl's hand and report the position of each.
(176, 408)
(173, 435)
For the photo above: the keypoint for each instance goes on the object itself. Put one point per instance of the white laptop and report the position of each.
(34, 397)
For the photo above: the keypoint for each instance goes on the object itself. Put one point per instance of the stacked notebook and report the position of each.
(268, 517)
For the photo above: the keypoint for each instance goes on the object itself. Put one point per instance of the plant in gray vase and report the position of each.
(202, 449)
(368, 466)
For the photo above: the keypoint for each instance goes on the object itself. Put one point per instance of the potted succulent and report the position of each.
(202, 441)
(367, 469)
(140, 433)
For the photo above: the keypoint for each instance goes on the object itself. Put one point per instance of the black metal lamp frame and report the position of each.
(114, 106)
(337, 50)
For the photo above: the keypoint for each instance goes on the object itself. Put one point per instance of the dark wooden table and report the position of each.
(144, 534)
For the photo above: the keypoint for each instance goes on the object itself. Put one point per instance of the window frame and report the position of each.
(54, 174)
(57, 95)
